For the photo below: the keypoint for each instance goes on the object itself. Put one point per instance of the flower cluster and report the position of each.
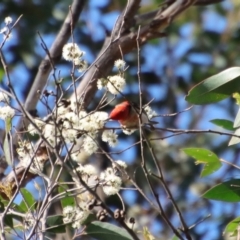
(150, 113)
(71, 52)
(119, 164)
(73, 124)
(114, 84)
(6, 112)
(128, 131)
(110, 179)
(101, 83)
(52, 133)
(111, 182)
(39, 123)
(87, 124)
(86, 170)
(120, 64)
(6, 31)
(74, 215)
(29, 157)
(111, 137)
(8, 20)
(90, 144)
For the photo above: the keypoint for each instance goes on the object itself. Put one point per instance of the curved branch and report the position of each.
(125, 43)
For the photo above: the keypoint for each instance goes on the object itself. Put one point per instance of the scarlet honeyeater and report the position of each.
(127, 115)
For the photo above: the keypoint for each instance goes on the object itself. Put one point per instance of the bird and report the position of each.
(127, 115)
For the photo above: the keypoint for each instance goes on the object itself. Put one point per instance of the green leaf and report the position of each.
(237, 97)
(175, 238)
(227, 191)
(8, 220)
(224, 123)
(7, 150)
(8, 124)
(28, 201)
(2, 74)
(209, 159)
(233, 225)
(20, 208)
(215, 88)
(90, 218)
(235, 140)
(106, 231)
(1, 206)
(237, 119)
(66, 201)
(55, 224)
(6, 145)
(147, 234)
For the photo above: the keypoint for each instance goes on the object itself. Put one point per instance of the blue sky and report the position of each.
(158, 58)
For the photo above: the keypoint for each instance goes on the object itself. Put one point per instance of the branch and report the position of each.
(55, 52)
(125, 43)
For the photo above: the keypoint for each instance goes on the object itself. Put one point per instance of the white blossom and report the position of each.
(4, 97)
(28, 157)
(77, 104)
(80, 156)
(111, 137)
(40, 124)
(112, 183)
(80, 64)
(74, 156)
(87, 169)
(25, 148)
(6, 112)
(89, 144)
(8, 20)
(74, 215)
(51, 134)
(61, 110)
(4, 30)
(128, 131)
(120, 163)
(71, 117)
(69, 212)
(116, 84)
(150, 113)
(29, 220)
(82, 122)
(36, 164)
(71, 52)
(101, 83)
(94, 121)
(72, 120)
(100, 116)
(120, 64)
(69, 135)
(80, 217)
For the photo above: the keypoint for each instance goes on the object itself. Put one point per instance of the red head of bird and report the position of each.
(127, 115)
